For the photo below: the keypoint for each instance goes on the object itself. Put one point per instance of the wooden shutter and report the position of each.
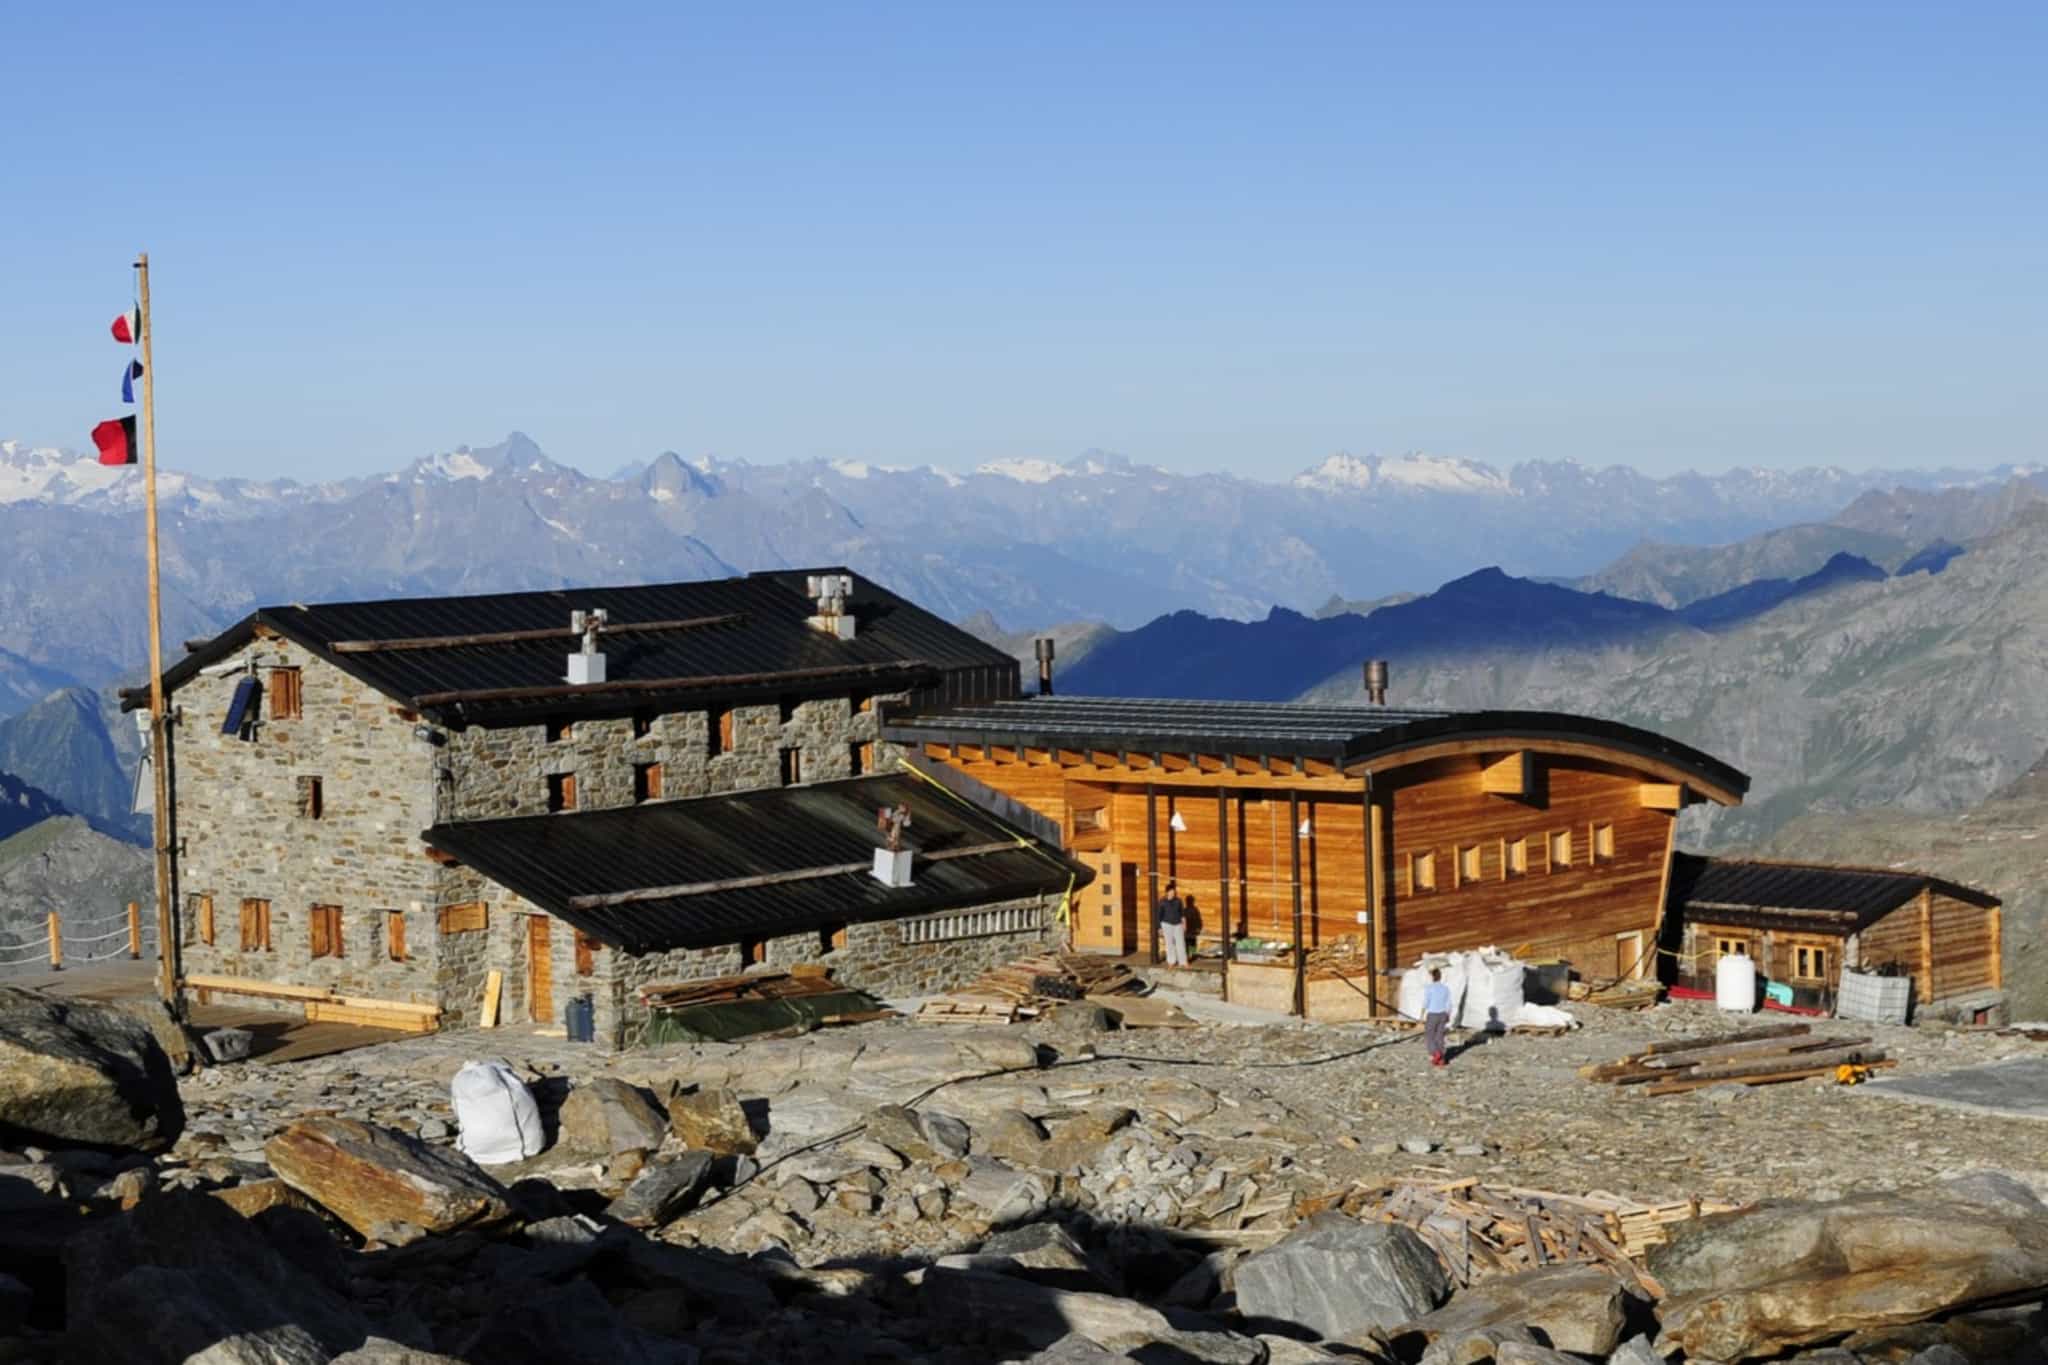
(251, 939)
(394, 934)
(464, 918)
(285, 697)
(206, 920)
(326, 930)
(586, 953)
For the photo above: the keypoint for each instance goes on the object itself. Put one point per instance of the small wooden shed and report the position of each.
(1803, 923)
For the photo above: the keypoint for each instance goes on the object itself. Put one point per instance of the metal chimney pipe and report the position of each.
(1376, 681)
(1042, 647)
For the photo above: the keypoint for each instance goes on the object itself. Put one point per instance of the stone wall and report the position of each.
(875, 958)
(243, 832)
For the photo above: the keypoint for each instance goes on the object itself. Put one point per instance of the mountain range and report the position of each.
(1033, 542)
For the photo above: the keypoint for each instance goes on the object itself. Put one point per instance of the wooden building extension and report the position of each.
(1413, 831)
(1803, 923)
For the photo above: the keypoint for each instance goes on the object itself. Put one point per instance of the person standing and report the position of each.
(1173, 927)
(1436, 1016)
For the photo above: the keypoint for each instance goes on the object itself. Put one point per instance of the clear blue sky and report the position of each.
(1209, 237)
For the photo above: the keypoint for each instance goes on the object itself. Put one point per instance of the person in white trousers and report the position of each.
(1173, 927)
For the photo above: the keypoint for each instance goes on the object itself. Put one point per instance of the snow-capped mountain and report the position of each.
(1033, 541)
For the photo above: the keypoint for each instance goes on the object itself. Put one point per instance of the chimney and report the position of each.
(587, 665)
(1042, 647)
(830, 591)
(1376, 681)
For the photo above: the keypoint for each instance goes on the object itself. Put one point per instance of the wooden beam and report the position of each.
(1379, 944)
(706, 683)
(1002, 753)
(1316, 767)
(1137, 762)
(802, 874)
(970, 753)
(1102, 758)
(1508, 776)
(942, 752)
(1280, 767)
(1173, 763)
(1152, 865)
(1997, 926)
(494, 985)
(1294, 868)
(1246, 765)
(1661, 796)
(1209, 763)
(507, 637)
(1223, 881)
(1567, 748)
(1072, 758)
(1927, 938)
(1039, 756)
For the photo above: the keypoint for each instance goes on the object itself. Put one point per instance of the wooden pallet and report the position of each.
(952, 1010)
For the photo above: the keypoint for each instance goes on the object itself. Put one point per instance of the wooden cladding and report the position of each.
(287, 701)
(1510, 776)
(394, 935)
(324, 928)
(255, 926)
(467, 917)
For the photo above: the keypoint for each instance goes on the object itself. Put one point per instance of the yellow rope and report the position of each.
(1028, 845)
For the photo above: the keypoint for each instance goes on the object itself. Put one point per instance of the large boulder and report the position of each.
(979, 1305)
(1789, 1274)
(78, 1073)
(1337, 1277)
(1577, 1308)
(608, 1117)
(663, 1191)
(712, 1121)
(375, 1179)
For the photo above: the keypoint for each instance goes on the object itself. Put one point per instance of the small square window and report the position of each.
(1731, 947)
(310, 805)
(1560, 849)
(647, 782)
(561, 792)
(394, 935)
(255, 926)
(831, 938)
(1514, 858)
(718, 732)
(643, 724)
(559, 731)
(325, 922)
(1601, 843)
(1421, 872)
(1468, 864)
(1810, 964)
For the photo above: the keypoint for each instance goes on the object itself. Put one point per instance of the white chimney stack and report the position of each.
(830, 592)
(587, 665)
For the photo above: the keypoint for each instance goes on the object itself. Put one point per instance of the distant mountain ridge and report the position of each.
(1031, 541)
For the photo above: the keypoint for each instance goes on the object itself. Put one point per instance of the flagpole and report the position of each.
(166, 940)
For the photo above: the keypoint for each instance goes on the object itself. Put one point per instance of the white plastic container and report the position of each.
(1876, 999)
(1735, 983)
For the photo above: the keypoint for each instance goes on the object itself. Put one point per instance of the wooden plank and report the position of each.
(245, 985)
(1508, 776)
(1661, 796)
(493, 989)
(467, 917)
(1927, 943)
(506, 637)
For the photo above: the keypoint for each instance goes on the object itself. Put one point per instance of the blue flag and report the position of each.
(129, 374)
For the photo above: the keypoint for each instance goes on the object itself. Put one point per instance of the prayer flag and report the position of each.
(128, 327)
(131, 372)
(116, 439)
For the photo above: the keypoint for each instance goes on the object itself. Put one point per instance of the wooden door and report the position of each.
(540, 971)
(1128, 918)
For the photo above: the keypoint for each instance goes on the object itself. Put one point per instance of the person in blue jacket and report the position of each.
(1436, 1016)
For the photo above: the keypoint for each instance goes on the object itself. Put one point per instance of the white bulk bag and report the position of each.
(1415, 981)
(496, 1113)
(1493, 990)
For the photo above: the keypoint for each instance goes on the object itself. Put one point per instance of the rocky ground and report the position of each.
(896, 1192)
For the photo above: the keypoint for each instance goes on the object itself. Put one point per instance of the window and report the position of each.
(753, 951)
(255, 926)
(198, 923)
(310, 806)
(560, 731)
(561, 792)
(286, 701)
(862, 703)
(647, 782)
(1468, 864)
(1514, 857)
(1809, 964)
(788, 708)
(831, 937)
(326, 930)
(792, 767)
(1560, 849)
(718, 732)
(586, 953)
(1421, 872)
(1730, 947)
(861, 758)
(1092, 822)
(643, 724)
(1600, 843)
(394, 935)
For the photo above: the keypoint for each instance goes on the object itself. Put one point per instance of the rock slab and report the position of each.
(374, 1178)
(712, 1121)
(1337, 1277)
(74, 1072)
(607, 1117)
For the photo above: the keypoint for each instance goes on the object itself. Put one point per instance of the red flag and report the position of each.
(116, 439)
(128, 327)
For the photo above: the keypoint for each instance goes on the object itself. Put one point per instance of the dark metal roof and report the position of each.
(1852, 897)
(1339, 734)
(897, 645)
(553, 859)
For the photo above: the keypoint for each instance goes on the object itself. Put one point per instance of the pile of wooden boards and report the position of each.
(1338, 960)
(1628, 993)
(322, 1005)
(1479, 1231)
(719, 990)
(1023, 988)
(1760, 1056)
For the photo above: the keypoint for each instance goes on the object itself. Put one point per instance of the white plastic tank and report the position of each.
(1735, 983)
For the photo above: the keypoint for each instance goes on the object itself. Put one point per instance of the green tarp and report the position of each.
(729, 1021)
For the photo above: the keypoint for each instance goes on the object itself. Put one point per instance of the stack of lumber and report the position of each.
(1024, 987)
(1625, 994)
(1761, 1056)
(720, 990)
(1479, 1231)
(1339, 959)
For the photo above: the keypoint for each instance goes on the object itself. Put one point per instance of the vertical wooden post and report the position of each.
(1294, 867)
(1382, 939)
(1927, 939)
(1152, 866)
(1223, 872)
(1370, 837)
(1997, 914)
(159, 767)
(134, 929)
(56, 944)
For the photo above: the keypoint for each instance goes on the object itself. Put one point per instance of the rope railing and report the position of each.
(62, 938)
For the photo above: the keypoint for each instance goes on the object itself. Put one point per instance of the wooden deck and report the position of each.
(280, 1036)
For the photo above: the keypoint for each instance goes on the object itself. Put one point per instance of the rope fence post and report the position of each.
(56, 944)
(135, 929)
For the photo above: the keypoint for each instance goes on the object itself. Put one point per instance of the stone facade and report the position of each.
(326, 808)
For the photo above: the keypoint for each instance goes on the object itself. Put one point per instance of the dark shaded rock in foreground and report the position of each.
(78, 1073)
